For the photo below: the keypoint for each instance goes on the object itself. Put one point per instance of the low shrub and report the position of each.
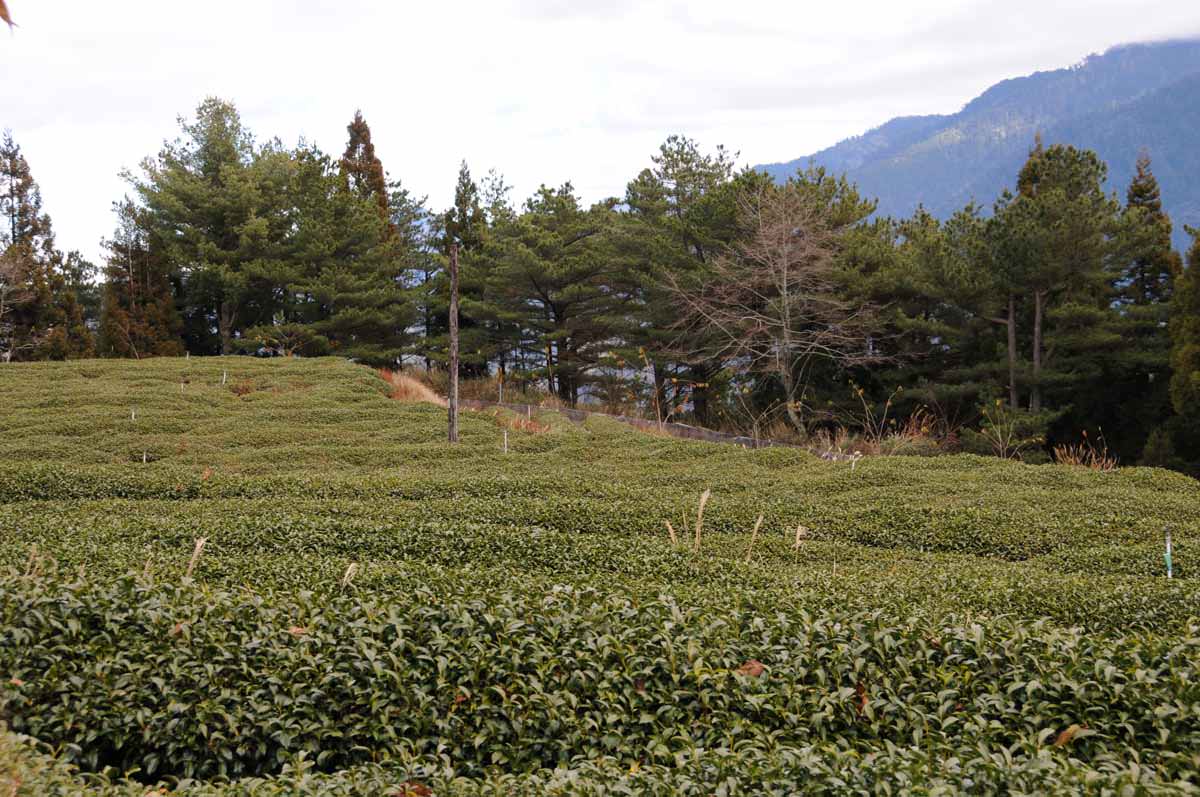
(186, 681)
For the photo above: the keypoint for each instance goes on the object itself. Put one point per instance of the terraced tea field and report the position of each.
(373, 611)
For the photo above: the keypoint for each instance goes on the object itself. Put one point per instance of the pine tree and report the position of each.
(1137, 371)
(1185, 335)
(1066, 223)
(362, 169)
(1180, 435)
(350, 296)
(550, 280)
(681, 213)
(217, 208)
(1152, 265)
(47, 322)
(464, 223)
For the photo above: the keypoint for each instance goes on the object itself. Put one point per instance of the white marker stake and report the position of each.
(505, 441)
(1168, 555)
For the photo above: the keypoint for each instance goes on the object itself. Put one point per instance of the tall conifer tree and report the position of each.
(138, 316)
(48, 321)
(1185, 335)
(1137, 371)
(362, 168)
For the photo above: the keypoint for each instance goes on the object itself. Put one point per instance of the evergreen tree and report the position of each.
(1137, 372)
(362, 169)
(940, 343)
(1185, 335)
(678, 214)
(80, 275)
(464, 223)
(48, 320)
(217, 206)
(1066, 223)
(550, 280)
(138, 316)
(1180, 436)
(349, 297)
(1151, 265)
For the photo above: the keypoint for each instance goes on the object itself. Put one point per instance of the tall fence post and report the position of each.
(453, 402)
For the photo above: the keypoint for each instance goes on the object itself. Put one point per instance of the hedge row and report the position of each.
(182, 680)
(1020, 523)
(308, 545)
(817, 769)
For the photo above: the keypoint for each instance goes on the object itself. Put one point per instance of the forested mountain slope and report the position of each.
(1131, 98)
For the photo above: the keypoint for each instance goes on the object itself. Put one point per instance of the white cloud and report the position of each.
(543, 90)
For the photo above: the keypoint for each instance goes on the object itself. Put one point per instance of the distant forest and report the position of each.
(1059, 316)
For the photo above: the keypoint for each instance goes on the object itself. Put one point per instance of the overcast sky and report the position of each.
(542, 90)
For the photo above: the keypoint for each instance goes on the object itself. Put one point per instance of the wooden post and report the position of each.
(453, 402)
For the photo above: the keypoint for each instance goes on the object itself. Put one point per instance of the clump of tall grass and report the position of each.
(404, 387)
(519, 423)
(1087, 454)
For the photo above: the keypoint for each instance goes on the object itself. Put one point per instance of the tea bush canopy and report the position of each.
(373, 610)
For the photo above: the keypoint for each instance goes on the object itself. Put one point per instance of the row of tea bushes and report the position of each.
(188, 681)
(817, 769)
(1014, 524)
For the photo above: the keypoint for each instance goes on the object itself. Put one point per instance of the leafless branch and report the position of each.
(773, 301)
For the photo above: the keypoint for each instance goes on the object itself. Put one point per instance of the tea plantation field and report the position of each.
(374, 611)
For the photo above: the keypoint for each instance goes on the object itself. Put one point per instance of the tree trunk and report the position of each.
(1035, 393)
(700, 394)
(453, 397)
(793, 404)
(660, 392)
(1012, 351)
(225, 318)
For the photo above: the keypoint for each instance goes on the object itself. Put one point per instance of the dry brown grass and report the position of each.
(243, 387)
(1087, 454)
(408, 388)
(519, 423)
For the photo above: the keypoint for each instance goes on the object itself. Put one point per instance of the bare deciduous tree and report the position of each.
(772, 300)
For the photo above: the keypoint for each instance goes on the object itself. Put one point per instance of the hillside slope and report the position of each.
(1128, 99)
(372, 609)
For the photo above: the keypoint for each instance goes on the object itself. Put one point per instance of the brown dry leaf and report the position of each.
(177, 629)
(752, 668)
(206, 475)
(297, 630)
(411, 788)
(4, 15)
(459, 699)
(1066, 736)
(16, 682)
(861, 691)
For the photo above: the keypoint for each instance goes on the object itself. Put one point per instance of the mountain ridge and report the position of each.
(1130, 98)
